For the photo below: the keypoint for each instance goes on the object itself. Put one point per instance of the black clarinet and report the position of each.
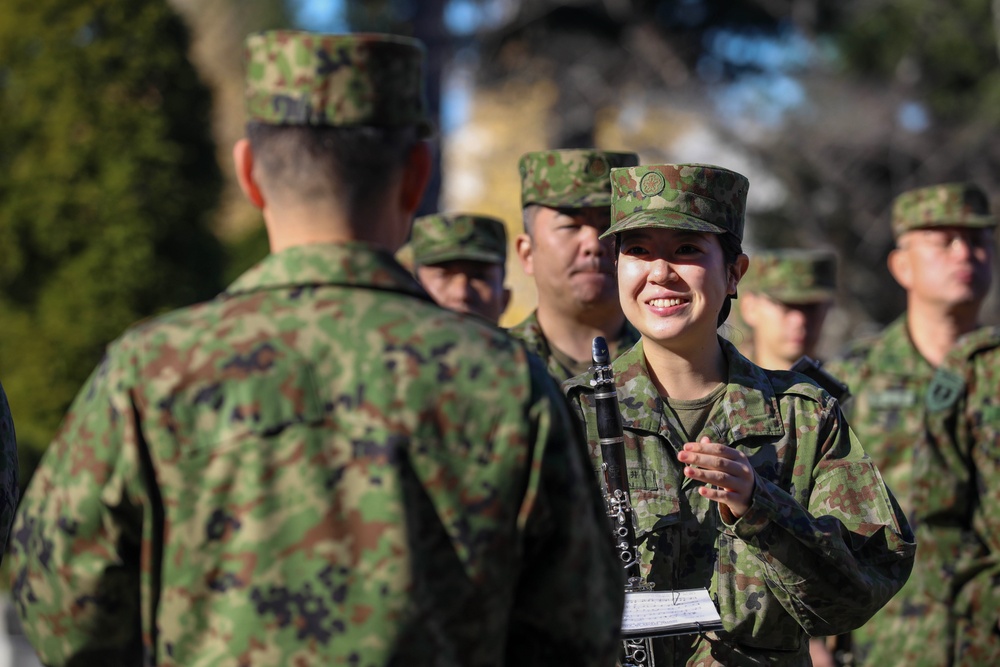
(638, 651)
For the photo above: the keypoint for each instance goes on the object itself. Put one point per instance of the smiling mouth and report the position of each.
(665, 303)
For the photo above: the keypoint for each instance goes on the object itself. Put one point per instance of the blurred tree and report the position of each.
(218, 29)
(107, 178)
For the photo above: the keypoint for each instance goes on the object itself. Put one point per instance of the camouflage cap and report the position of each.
(570, 177)
(944, 205)
(793, 276)
(444, 237)
(305, 78)
(698, 197)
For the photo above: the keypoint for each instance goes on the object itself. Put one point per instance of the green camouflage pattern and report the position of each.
(529, 331)
(945, 205)
(949, 609)
(9, 472)
(792, 276)
(443, 237)
(319, 467)
(820, 549)
(306, 78)
(570, 177)
(888, 379)
(696, 197)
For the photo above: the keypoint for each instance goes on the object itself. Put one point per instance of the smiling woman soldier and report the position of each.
(745, 481)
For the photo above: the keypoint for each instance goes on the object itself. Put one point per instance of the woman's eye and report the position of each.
(687, 249)
(633, 250)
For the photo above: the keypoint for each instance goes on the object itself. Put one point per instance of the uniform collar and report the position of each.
(749, 407)
(896, 353)
(354, 264)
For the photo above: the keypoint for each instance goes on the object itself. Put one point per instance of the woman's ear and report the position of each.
(737, 270)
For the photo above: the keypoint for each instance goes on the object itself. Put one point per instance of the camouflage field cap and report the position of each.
(944, 205)
(792, 276)
(570, 177)
(698, 197)
(306, 78)
(444, 237)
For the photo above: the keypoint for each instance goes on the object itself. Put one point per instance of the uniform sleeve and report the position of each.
(837, 546)
(569, 600)
(8, 471)
(74, 557)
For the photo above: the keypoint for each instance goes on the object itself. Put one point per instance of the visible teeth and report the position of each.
(665, 303)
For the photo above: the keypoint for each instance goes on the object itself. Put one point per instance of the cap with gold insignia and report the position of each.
(444, 237)
(698, 197)
(944, 205)
(792, 276)
(570, 177)
(305, 78)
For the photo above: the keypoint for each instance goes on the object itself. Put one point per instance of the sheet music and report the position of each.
(669, 611)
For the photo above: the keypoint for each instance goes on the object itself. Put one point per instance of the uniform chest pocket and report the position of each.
(655, 478)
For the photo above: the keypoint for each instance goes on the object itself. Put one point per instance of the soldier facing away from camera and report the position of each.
(943, 259)
(566, 202)
(321, 466)
(460, 259)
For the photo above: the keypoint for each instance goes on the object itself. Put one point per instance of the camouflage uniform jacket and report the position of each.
(950, 607)
(888, 379)
(8, 471)
(319, 467)
(819, 551)
(530, 331)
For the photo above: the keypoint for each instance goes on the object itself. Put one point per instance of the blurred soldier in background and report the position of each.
(321, 466)
(954, 598)
(566, 201)
(460, 259)
(943, 259)
(786, 295)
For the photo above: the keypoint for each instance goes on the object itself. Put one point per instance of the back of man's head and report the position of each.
(332, 117)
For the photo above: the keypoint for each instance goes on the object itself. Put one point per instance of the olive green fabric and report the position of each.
(822, 546)
(945, 205)
(696, 197)
(444, 237)
(318, 467)
(570, 177)
(792, 276)
(305, 78)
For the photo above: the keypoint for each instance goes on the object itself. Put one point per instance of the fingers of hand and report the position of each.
(714, 463)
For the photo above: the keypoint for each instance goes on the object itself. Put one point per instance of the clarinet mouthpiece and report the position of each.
(599, 351)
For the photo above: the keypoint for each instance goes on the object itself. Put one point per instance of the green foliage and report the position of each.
(107, 175)
(945, 50)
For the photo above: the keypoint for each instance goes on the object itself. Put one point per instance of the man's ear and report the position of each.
(243, 160)
(416, 176)
(524, 251)
(901, 267)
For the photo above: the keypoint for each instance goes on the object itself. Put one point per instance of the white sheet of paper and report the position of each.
(662, 610)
